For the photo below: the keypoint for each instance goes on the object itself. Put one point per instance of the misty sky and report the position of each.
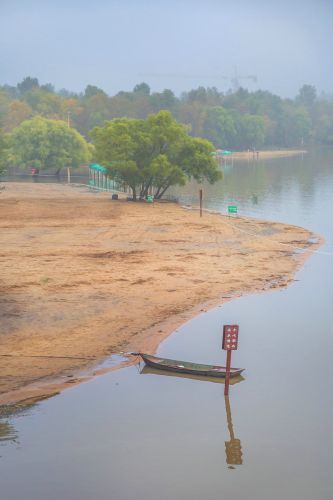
(169, 44)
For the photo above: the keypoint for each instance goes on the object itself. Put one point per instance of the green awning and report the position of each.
(98, 168)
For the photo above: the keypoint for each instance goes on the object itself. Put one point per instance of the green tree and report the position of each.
(45, 103)
(324, 129)
(47, 144)
(117, 146)
(92, 90)
(307, 96)
(163, 100)
(3, 151)
(47, 87)
(4, 106)
(142, 88)
(51, 106)
(296, 125)
(95, 111)
(193, 115)
(224, 119)
(156, 152)
(238, 101)
(27, 84)
(164, 173)
(199, 95)
(250, 131)
(219, 127)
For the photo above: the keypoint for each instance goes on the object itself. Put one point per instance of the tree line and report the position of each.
(151, 141)
(232, 120)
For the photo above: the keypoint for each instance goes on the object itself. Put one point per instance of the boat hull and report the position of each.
(173, 365)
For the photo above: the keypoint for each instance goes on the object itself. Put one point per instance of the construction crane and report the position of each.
(234, 79)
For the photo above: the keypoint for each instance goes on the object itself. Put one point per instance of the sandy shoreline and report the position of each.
(267, 154)
(84, 277)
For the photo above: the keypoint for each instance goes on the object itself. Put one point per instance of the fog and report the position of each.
(169, 44)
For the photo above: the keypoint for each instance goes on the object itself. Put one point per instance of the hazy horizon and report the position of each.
(177, 45)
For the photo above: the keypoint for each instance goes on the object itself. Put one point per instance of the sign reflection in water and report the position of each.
(233, 447)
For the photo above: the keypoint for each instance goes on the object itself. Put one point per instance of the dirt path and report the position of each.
(84, 277)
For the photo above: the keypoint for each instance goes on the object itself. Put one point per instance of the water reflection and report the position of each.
(122, 433)
(254, 198)
(233, 447)
(8, 414)
(281, 189)
(154, 371)
(7, 432)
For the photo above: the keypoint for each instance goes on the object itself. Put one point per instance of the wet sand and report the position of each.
(84, 277)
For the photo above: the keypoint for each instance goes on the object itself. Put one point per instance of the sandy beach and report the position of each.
(84, 277)
(268, 154)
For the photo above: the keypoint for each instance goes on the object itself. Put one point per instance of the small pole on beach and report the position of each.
(200, 198)
(229, 343)
(68, 175)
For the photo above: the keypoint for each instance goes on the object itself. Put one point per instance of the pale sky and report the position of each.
(169, 44)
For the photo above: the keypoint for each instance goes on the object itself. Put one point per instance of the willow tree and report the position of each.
(153, 153)
(47, 144)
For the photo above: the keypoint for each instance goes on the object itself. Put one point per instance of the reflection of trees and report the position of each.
(7, 432)
(277, 181)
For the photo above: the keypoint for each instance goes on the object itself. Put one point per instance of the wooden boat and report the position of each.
(149, 370)
(174, 365)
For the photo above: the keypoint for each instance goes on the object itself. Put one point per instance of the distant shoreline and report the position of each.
(268, 154)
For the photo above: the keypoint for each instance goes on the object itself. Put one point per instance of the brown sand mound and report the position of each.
(83, 276)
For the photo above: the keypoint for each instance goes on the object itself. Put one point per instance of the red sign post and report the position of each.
(229, 343)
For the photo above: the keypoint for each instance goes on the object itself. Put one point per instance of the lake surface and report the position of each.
(138, 434)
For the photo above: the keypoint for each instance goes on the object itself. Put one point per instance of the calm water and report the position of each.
(137, 434)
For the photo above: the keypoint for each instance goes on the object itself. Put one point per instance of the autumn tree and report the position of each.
(18, 111)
